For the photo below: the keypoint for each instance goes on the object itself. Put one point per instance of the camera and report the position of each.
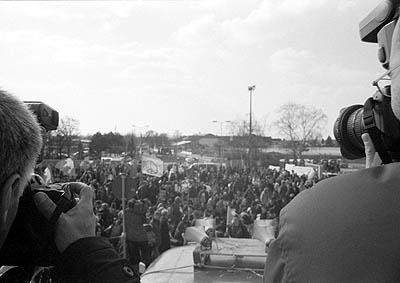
(375, 116)
(46, 116)
(30, 241)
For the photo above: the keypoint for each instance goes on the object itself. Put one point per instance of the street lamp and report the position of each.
(250, 89)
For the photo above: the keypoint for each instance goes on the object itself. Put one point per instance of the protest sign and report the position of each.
(152, 166)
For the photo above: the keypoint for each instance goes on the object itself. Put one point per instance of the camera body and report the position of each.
(375, 116)
(30, 241)
(46, 116)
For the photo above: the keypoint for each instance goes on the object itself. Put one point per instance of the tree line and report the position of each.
(299, 125)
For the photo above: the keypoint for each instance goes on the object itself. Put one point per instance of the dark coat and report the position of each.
(344, 229)
(89, 260)
(94, 260)
(165, 238)
(135, 219)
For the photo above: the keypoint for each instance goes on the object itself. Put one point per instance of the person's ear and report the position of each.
(9, 196)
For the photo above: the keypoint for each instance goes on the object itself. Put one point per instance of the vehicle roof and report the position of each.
(177, 265)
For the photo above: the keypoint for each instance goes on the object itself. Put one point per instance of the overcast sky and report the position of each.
(179, 65)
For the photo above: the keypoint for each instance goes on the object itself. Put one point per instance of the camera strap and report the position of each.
(375, 134)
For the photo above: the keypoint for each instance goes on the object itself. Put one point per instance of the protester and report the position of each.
(237, 229)
(180, 230)
(156, 225)
(197, 193)
(136, 236)
(164, 232)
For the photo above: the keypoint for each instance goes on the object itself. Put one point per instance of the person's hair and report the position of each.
(131, 203)
(20, 138)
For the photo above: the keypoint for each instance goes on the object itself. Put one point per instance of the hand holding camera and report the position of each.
(48, 220)
(78, 222)
(371, 157)
(380, 115)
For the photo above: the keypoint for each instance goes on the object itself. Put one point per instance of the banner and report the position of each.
(152, 166)
(299, 170)
(277, 168)
(316, 167)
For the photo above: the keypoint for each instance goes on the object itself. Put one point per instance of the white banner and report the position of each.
(289, 167)
(152, 166)
(316, 167)
(299, 170)
(277, 168)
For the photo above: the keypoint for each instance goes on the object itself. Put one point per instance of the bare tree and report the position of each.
(66, 131)
(240, 140)
(176, 135)
(242, 128)
(299, 124)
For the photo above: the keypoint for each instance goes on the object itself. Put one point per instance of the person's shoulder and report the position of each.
(347, 189)
(367, 177)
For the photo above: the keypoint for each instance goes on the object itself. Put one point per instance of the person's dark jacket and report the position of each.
(135, 218)
(88, 260)
(156, 224)
(180, 229)
(344, 229)
(238, 231)
(94, 260)
(165, 238)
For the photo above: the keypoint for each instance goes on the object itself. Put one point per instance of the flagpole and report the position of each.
(123, 177)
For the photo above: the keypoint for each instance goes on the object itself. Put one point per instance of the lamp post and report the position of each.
(250, 89)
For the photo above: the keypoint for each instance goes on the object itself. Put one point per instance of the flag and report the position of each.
(311, 175)
(206, 223)
(264, 230)
(229, 216)
(48, 176)
(66, 166)
(152, 166)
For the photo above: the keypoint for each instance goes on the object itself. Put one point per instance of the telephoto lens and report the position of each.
(348, 128)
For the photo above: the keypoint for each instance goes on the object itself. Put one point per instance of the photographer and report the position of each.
(344, 229)
(84, 258)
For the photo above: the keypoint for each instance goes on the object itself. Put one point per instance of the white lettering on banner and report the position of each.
(152, 166)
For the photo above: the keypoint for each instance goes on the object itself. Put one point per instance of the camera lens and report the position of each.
(348, 128)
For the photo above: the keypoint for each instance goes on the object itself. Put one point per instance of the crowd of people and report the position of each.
(162, 207)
